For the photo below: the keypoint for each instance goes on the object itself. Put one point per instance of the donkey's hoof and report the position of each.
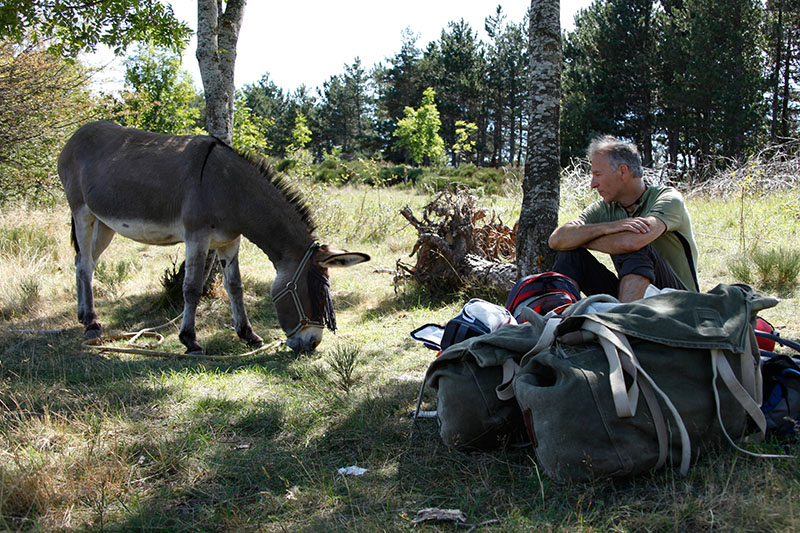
(93, 331)
(254, 341)
(197, 351)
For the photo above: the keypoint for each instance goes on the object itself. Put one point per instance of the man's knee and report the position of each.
(642, 263)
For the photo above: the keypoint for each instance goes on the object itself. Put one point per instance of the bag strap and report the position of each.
(723, 369)
(505, 391)
(616, 339)
(780, 340)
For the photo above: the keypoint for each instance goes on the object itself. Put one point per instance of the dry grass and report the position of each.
(104, 441)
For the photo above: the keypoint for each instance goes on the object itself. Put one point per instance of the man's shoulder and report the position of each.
(659, 190)
(597, 212)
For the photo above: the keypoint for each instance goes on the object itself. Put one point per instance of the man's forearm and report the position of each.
(574, 235)
(615, 243)
(618, 237)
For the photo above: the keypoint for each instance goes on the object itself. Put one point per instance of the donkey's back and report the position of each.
(126, 174)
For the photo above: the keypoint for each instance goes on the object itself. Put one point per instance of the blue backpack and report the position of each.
(781, 378)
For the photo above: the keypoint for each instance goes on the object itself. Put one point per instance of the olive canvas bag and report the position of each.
(643, 384)
(465, 377)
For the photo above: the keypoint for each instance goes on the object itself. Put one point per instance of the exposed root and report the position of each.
(457, 246)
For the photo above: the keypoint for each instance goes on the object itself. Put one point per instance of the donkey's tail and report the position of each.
(74, 237)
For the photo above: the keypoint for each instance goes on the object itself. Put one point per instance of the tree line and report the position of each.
(692, 82)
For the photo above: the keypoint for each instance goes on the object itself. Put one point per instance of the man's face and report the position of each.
(605, 179)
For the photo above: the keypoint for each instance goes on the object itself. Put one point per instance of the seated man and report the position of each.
(645, 228)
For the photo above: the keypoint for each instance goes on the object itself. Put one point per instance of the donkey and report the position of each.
(164, 189)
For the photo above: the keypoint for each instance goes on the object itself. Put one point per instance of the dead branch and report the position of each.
(460, 244)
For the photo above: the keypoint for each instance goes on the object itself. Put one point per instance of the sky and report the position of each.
(305, 42)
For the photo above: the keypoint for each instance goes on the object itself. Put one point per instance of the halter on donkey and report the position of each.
(165, 189)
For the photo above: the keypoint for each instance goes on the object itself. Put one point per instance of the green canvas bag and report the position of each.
(693, 359)
(465, 376)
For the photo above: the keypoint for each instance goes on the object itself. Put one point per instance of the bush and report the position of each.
(285, 165)
(777, 269)
(399, 174)
(478, 179)
(773, 270)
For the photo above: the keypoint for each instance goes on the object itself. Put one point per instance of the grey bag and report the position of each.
(580, 398)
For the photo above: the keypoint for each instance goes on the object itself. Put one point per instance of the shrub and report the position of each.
(777, 269)
(343, 360)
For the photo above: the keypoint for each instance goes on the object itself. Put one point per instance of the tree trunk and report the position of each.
(787, 81)
(217, 34)
(775, 76)
(541, 187)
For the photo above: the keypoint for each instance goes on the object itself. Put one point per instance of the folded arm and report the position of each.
(620, 236)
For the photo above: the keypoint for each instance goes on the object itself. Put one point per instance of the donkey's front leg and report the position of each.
(229, 255)
(196, 252)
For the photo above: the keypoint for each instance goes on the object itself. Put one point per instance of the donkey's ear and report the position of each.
(327, 257)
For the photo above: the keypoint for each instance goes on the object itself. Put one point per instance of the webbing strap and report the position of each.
(616, 339)
(625, 399)
(723, 369)
(505, 391)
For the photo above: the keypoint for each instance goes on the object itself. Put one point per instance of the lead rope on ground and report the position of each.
(95, 344)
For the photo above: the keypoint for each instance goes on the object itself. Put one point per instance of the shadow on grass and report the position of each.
(226, 463)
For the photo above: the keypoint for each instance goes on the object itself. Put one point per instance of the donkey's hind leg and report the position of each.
(92, 237)
(229, 255)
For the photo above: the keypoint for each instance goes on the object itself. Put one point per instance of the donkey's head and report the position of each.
(301, 294)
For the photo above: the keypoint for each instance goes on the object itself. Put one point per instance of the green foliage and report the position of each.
(773, 270)
(249, 129)
(158, 94)
(488, 181)
(22, 240)
(345, 115)
(777, 269)
(301, 135)
(418, 131)
(111, 277)
(739, 268)
(79, 26)
(343, 360)
(465, 138)
(42, 100)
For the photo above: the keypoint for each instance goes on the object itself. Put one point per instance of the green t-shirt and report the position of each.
(676, 245)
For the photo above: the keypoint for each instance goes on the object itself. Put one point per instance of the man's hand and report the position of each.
(635, 225)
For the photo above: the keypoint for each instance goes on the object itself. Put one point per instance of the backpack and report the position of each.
(477, 317)
(781, 378)
(545, 292)
(648, 383)
(465, 376)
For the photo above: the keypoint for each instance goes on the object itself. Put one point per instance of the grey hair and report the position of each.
(618, 152)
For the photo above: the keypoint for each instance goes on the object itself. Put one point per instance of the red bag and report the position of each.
(549, 291)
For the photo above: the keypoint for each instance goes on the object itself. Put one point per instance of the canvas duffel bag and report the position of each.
(465, 377)
(692, 358)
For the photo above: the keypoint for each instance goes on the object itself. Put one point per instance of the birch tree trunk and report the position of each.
(217, 34)
(541, 187)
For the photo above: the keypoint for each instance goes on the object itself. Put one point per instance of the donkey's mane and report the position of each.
(267, 170)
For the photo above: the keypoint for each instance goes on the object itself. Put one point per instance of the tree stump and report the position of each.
(457, 247)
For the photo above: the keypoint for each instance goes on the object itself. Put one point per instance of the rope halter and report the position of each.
(291, 289)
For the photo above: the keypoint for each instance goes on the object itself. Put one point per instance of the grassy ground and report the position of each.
(125, 442)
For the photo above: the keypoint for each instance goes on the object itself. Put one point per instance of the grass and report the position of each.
(93, 441)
